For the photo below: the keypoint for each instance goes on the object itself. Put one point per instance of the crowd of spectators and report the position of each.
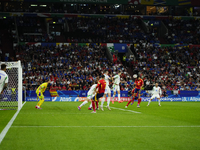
(174, 68)
(109, 30)
(183, 31)
(70, 67)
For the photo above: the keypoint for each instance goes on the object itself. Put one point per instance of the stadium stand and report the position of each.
(68, 66)
(176, 68)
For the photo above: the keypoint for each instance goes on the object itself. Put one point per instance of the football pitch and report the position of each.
(61, 126)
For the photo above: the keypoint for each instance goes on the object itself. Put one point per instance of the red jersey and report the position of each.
(101, 86)
(139, 83)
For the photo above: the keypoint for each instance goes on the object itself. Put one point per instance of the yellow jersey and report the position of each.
(42, 87)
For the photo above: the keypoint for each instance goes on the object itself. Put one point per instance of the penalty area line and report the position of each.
(106, 126)
(5, 130)
(126, 110)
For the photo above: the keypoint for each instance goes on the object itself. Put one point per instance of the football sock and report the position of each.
(97, 103)
(158, 102)
(93, 106)
(129, 102)
(149, 102)
(40, 103)
(108, 101)
(118, 97)
(139, 101)
(102, 101)
(85, 102)
(113, 97)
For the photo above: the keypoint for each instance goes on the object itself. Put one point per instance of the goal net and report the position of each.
(11, 98)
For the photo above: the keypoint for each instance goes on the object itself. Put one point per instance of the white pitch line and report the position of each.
(5, 130)
(126, 110)
(106, 126)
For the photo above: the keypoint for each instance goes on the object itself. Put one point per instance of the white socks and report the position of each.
(85, 102)
(158, 102)
(108, 101)
(102, 101)
(91, 105)
(118, 97)
(149, 102)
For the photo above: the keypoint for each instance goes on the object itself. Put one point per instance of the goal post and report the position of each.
(12, 95)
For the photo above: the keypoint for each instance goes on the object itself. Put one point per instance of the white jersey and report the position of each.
(116, 79)
(156, 90)
(90, 93)
(107, 79)
(3, 79)
(92, 88)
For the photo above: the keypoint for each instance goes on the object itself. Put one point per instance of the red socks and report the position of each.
(97, 103)
(139, 101)
(93, 106)
(128, 102)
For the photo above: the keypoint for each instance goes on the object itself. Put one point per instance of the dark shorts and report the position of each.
(137, 91)
(136, 98)
(97, 96)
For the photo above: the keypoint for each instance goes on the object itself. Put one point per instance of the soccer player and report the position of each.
(156, 94)
(134, 98)
(100, 89)
(40, 90)
(139, 84)
(90, 95)
(3, 80)
(116, 87)
(107, 91)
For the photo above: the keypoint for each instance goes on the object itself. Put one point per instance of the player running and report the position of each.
(132, 99)
(107, 91)
(90, 95)
(3, 80)
(116, 87)
(156, 94)
(139, 84)
(100, 89)
(40, 90)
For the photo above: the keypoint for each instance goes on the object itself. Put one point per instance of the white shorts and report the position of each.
(155, 96)
(116, 88)
(107, 90)
(90, 95)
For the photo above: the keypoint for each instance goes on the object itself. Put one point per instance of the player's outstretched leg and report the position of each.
(149, 102)
(128, 103)
(82, 104)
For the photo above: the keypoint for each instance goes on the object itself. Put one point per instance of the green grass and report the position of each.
(67, 128)
(5, 116)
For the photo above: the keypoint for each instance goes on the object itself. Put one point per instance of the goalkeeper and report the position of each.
(40, 90)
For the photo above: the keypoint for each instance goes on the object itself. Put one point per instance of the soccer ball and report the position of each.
(135, 76)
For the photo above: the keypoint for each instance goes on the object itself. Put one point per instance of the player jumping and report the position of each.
(107, 91)
(116, 87)
(100, 89)
(156, 94)
(139, 84)
(40, 90)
